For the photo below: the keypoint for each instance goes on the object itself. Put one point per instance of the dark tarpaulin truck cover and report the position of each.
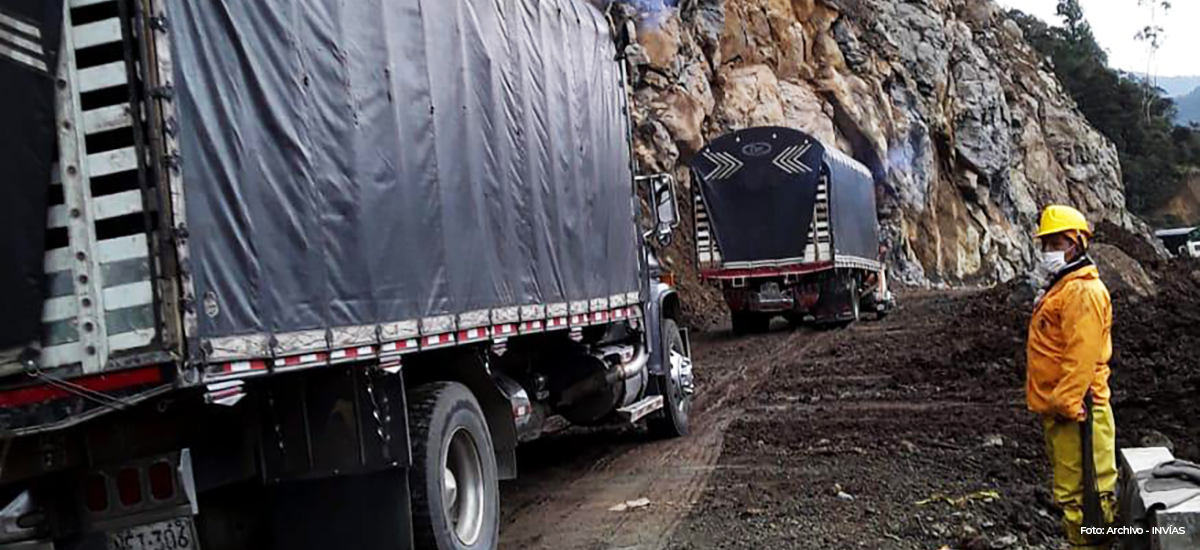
(30, 31)
(354, 163)
(759, 185)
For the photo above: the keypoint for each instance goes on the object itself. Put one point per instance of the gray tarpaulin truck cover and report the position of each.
(350, 163)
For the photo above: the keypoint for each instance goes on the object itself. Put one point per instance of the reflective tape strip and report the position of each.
(436, 340)
(503, 330)
(399, 346)
(301, 360)
(243, 366)
(556, 323)
(473, 334)
(531, 326)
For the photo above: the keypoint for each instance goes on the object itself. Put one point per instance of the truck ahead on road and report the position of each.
(1183, 242)
(303, 275)
(786, 226)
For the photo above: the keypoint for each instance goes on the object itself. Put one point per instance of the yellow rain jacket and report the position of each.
(1070, 344)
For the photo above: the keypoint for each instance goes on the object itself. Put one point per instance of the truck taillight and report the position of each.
(162, 481)
(129, 486)
(95, 493)
(667, 278)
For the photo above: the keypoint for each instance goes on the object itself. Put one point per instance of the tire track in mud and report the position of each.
(571, 479)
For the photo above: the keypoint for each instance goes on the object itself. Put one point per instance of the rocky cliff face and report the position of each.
(967, 130)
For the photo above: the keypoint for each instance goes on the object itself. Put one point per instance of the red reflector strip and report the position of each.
(300, 360)
(437, 340)
(503, 330)
(473, 334)
(576, 319)
(399, 346)
(352, 353)
(599, 316)
(618, 313)
(531, 326)
(557, 322)
(243, 366)
(101, 382)
(129, 486)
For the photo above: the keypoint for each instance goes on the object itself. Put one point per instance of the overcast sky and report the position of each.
(1115, 22)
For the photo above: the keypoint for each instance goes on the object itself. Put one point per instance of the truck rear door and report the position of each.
(105, 273)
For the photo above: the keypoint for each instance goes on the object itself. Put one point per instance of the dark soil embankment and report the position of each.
(928, 405)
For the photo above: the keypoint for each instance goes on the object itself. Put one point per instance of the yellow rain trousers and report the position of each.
(1070, 344)
(1066, 456)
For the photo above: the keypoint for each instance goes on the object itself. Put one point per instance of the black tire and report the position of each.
(677, 403)
(742, 322)
(441, 414)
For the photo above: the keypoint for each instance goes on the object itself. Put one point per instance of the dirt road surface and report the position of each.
(905, 433)
(783, 423)
(569, 480)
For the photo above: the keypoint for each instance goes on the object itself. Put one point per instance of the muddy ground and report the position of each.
(910, 432)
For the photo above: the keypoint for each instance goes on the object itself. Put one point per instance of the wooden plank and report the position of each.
(22, 26)
(57, 260)
(107, 118)
(117, 204)
(65, 354)
(102, 76)
(56, 217)
(130, 340)
(122, 248)
(98, 33)
(85, 3)
(112, 162)
(130, 295)
(57, 309)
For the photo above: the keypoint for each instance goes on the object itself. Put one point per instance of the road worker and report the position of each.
(1070, 344)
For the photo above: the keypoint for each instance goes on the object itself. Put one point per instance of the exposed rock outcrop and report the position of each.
(966, 128)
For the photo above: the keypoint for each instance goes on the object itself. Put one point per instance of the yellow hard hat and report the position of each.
(1057, 218)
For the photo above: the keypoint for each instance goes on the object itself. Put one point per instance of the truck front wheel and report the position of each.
(676, 385)
(455, 490)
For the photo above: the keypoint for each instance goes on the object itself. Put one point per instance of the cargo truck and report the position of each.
(786, 226)
(304, 274)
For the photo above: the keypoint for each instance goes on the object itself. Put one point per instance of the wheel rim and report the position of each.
(681, 379)
(462, 487)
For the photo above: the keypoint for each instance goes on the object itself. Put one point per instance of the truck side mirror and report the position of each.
(666, 206)
(661, 190)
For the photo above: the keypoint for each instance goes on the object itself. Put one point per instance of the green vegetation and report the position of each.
(1139, 119)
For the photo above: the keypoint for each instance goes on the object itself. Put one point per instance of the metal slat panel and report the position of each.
(58, 259)
(111, 162)
(117, 204)
(107, 118)
(56, 216)
(95, 34)
(130, 295)
(83, 3)
(57, 309)
(131, 340)
(102, 76)
(122, 248)
(55, 356)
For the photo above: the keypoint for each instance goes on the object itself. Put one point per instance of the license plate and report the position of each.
(172, 534)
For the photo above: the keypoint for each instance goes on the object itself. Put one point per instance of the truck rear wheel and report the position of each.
(455, 490)
(676, 390)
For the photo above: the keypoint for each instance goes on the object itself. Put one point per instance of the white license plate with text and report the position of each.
(172, 534)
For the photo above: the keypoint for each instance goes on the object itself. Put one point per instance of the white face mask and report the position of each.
(1053, 262)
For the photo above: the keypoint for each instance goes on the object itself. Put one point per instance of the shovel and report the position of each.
(1093, 513)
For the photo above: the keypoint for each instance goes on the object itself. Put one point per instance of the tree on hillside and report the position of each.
(1138, 119)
